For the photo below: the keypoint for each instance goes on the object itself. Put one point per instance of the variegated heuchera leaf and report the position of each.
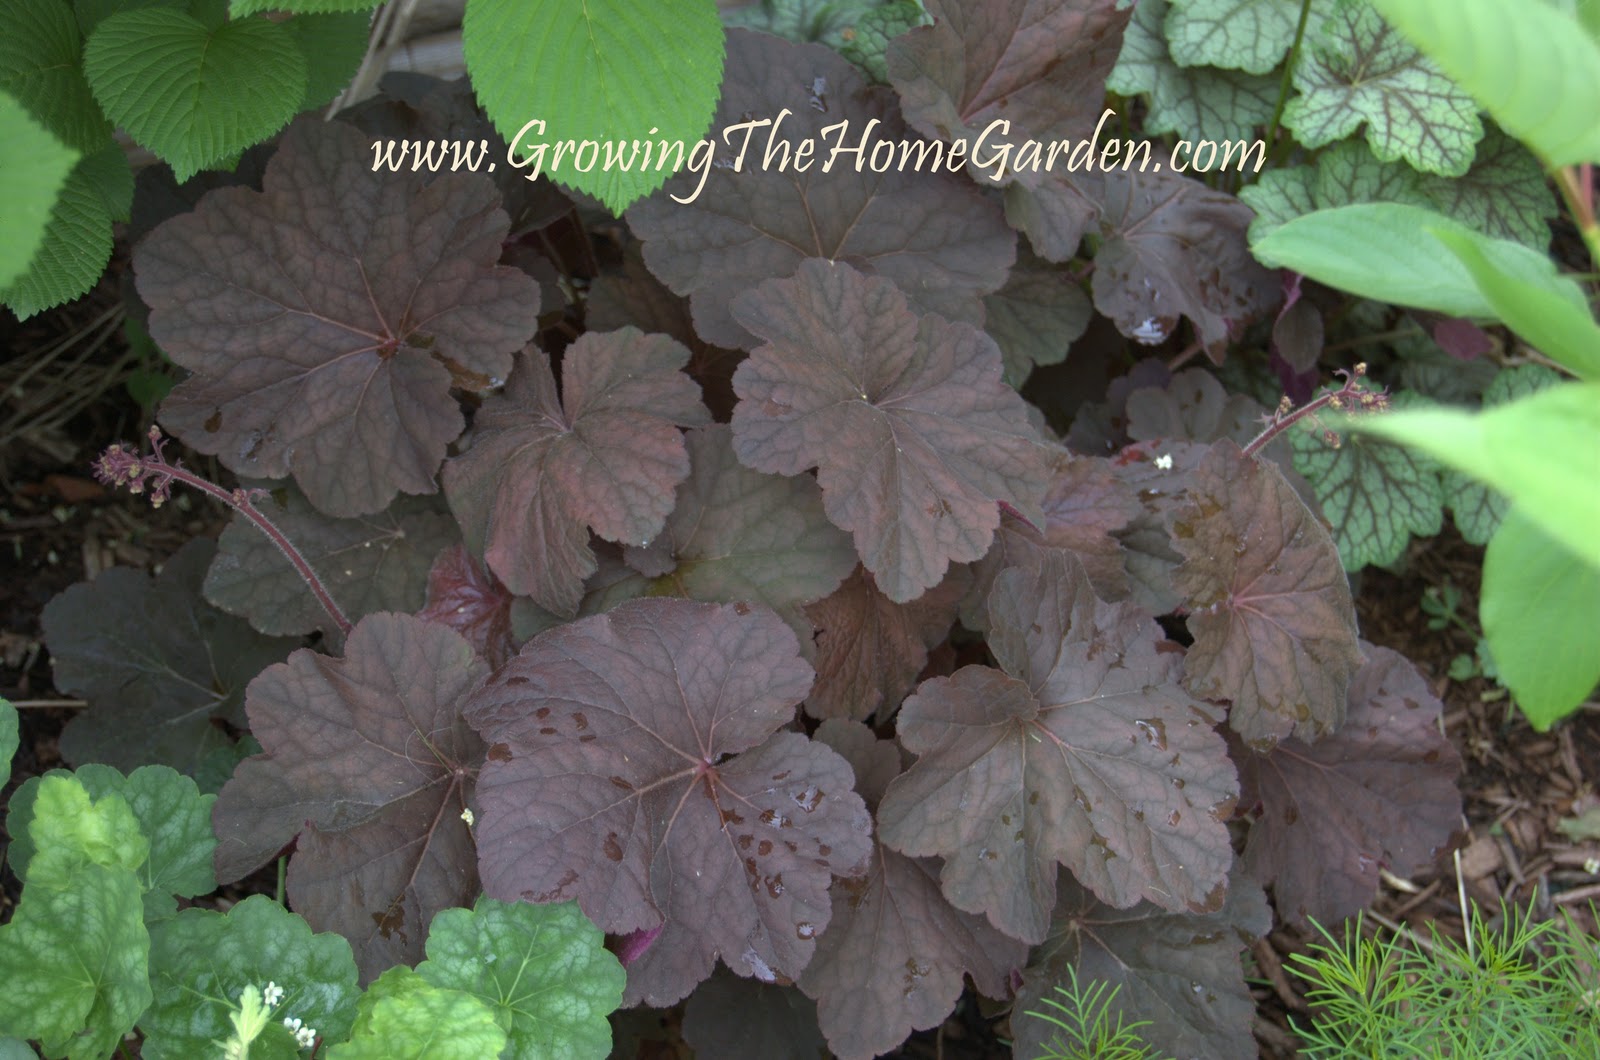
(326, 318)
(915, 437)
(636, 765)
(1085, 751)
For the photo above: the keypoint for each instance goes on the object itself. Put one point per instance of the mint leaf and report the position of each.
(1359, 70)
(1269, 606)
(635, 765)
(41, 66)
(914, 434)
(156, 662)
(1073, 755)
(74, 961)
(367, 761)
(605, 70)
(201, 960)
(31, 181)
(1194, 102)
(1251, 35)
(192, 93)
(1375, 494)
(327, 317)
(542, 970)
(1377, 794)
(544, 469)
(939, 238)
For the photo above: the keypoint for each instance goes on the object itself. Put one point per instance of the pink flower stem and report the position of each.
(1352, 397)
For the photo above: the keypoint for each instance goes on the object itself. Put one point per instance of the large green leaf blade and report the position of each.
(1542, 451)
(192, 94)
(1540, 607)
(32, 173)
(1530, 65)
(8, 738)
(41, 53)
(603, 70)
(75, 247)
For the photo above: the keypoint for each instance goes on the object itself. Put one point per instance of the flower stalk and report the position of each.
(1352, 397)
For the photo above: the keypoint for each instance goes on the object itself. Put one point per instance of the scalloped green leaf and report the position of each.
(1531, 66)
(1375, 496)
(409, 1018)
(866, 40)
(1194, 102)
(1477, 509)
(201, 960)
(240, 8)
(611, 71)
(193, 94)
(41, 64)
(74, 250)
(70, 829)
(74, 962)
(8, 738)
(33, 174)
(543, 970)
(1251, 35)
(1358, 71)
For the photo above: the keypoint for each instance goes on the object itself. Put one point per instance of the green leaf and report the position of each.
(41, 64)
(241, 8)
(604, 70)
(1476, 508)
(16, 1049)
(74, 964)
(865, 40)
(1540, 607)
(70, 829)
(1358, 70)
(801, 21)
(333, 45)
(195, 95)
(176, 820)
(1374, 495)
(1531, 66)
(1556, 325)
(1542, 451)
(405, 1017)
(92, 12)
(1391, 253)
(1251, 35)
(543, 969)
(8, 738)
(33, 171)
(74, 251)
(202, 960)
(1196, 103)
(1505, 194)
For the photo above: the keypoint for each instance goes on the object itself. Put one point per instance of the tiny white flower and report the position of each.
(292, 1024)
(466, 815)
(1164, 461)
(1592, 866)
(305, 1037)
(272, 994)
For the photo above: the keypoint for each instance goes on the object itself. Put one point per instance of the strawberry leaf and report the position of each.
(542, 471)
(932, 233)
(913, 432)
(635, 766)
(1085, 751)
(327, 317)
(1270, 609)
(367, 762)
(1378, 794)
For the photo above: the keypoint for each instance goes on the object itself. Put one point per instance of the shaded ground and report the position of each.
(58, 527)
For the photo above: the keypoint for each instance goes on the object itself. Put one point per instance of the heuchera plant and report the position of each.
(735, 592)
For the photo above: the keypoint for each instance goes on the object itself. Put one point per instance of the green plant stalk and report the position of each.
(1577, 191)
(1288, 73)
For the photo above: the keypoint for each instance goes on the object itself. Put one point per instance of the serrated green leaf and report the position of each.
(109, 175)
(8, 738)
(41, 64)
(74, 250)
(1358, 70)
(333, 45)
(420, 1021)
(865, 39)
(604, 70)
(1477, 509)
(74, 962)
(543, 969)
(1540, 606)
(175, 819)
(1542, 451)
(70, 828)
(241, 8)
(1531, 66)
(1374, 495)
(202, 961)
(1252, 35)
(92, 12)
(1389, 252)
(1195, 103)
(33, 172)
(16, 1049)
(195, 95)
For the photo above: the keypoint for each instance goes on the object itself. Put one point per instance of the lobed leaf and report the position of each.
(606, 455)
(327, 317)
(1251, 35)
(1084, 751)
(1035, 316)
(1273, 622)
(1379, 793)
(368, 762)
(425, 1024)
(463, 596)
(914, 435)
(635, 765)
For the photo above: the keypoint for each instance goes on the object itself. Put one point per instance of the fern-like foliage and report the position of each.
(1087, 1025)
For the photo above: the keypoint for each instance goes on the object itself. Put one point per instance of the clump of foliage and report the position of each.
(1086, 1026)
(1524, 989)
